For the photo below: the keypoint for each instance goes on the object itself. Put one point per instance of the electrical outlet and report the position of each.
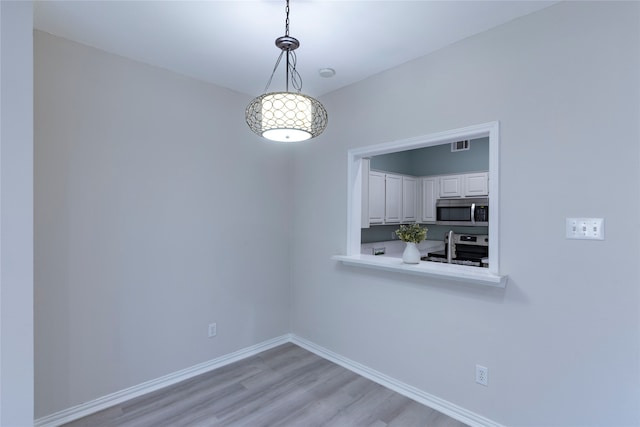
(213, 330)
(482, 375)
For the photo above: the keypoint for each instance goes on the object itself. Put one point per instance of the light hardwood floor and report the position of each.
(285, 386)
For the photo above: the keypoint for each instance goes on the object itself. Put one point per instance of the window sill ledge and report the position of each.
(461, 273)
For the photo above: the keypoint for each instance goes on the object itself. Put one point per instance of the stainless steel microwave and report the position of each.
(467, 211)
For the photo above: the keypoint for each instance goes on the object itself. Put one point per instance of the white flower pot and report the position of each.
(411, 254)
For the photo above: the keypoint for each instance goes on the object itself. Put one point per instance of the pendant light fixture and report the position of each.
(286, 116)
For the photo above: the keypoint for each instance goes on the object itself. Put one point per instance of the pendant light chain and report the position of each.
(286, 33)
(286, 22)
(292, 60)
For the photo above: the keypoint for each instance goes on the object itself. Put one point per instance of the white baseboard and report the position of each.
(441, 405)
(87, 408)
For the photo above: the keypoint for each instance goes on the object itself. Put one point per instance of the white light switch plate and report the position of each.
(585, 228)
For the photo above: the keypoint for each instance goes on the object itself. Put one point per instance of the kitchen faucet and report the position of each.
(449, 246)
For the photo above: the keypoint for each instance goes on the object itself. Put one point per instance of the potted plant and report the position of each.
(412, 235)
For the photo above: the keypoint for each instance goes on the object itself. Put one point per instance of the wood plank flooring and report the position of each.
(286, 386)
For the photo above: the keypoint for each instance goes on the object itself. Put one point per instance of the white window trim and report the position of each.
(486, 276)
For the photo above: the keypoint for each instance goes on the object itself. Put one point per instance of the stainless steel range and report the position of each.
(463, 249)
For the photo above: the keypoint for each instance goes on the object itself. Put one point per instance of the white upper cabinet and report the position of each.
(429, 188)
(409, 193)
(476, 184)
(451, 186)
(465, 185)
(393, 199)
(376, 197)
(364, 170)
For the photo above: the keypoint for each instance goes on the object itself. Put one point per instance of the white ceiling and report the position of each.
(231, 43)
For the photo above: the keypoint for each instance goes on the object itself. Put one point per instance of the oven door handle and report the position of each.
(473, 213)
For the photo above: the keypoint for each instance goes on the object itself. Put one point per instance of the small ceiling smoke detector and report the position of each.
(327, 72)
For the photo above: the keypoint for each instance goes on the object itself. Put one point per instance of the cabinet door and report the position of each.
(376, 198)
(393, 199)
(429, 198)
(364, 194)
(451, 186)
(409, 194)
(476, 184)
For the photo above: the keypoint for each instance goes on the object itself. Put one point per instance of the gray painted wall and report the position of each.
(143, 225)
(563, 83)
(135, 247)
(16, 214)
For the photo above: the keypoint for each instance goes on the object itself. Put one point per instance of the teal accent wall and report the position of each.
(400, 162)
(436, 160)
(439, 159)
